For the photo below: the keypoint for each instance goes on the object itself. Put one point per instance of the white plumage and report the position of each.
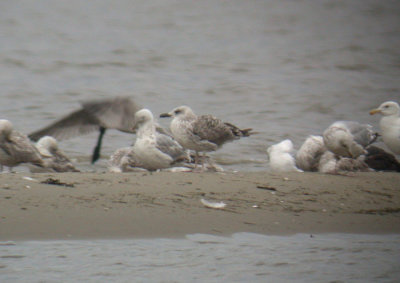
(348, 138)
(280, 157)
(310, 152)
(390, 124)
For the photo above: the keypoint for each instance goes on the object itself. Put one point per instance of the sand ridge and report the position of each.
(164, 204)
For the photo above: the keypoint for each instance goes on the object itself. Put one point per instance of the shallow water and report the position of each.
(285, 68)
(243, 257)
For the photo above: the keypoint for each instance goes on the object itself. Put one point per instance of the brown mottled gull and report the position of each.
(54, 158)
(95, 115)
(201, 133)
(16, 148)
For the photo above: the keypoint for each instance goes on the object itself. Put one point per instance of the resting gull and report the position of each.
(153, 149)
(124, 160)
(280, 157)
(201, 133)
(16, 148)
(390, 124)
(348, 138)
(54, 158)
(380, 160)
(334, 164)
(95, 115)
(310, 152)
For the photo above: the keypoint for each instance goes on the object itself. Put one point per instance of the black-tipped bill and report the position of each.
(165, 115)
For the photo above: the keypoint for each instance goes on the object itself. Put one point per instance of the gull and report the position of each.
(54, 158)
(280, 157)
(16, 148)
(334, 164)
(94, 115)
(390, 124)
(155, 150)
(201, 133)
(380, 160)
(124, 160)
(348, 138)
(309, 154)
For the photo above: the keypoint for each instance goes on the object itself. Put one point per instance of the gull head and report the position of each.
(47, 145)
(142, 117)
(180, 112)
(387, 108)
(6, 128)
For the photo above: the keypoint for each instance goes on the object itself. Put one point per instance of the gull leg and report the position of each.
(96, 152)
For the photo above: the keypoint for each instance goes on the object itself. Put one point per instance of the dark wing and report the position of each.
(208, 127)
(117, 113)
(77, 123)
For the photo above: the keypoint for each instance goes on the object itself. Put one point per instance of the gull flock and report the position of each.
(345, 146)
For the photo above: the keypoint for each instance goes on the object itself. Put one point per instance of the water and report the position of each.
(243, 257)
(286, 68)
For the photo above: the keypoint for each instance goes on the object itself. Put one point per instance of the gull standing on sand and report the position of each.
(201, 133)
(348, 138)
(309, 154)
(95, 115)
(390, 124)
(280, 157)
(153, 149)
(16, 148)
(54, 158)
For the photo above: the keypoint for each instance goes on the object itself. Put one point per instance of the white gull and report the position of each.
(310, 152)
(390, 124)
(348, 138)
(153, 149)
(280, 157)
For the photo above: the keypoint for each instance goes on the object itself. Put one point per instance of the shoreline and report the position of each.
(167, 205)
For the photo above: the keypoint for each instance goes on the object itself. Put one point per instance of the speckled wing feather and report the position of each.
(21, 149)
(210, 128)
(77, 123)
(117, 113)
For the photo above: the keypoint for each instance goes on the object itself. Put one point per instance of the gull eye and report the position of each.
(386, 106)
(177, 112)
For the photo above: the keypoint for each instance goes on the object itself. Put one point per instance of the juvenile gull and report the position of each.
(153, 149)
(348, 138)
(16, 148)
(95, 115)
(334, 164)
(280, 157)
(124, 160)
(309, 154)
(201, 133)
(390, 124)
(54, 158)
(380, 160)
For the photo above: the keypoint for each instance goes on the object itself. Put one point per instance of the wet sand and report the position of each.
(106, 205)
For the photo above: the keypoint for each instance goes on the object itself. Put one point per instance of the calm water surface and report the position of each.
(285, 68)
(243, 257)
